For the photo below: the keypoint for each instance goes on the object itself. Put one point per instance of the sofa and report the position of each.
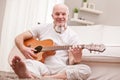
(104, 65)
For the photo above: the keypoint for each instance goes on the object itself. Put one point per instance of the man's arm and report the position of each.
(19, 41)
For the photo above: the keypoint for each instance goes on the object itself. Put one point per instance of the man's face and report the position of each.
(60, 15)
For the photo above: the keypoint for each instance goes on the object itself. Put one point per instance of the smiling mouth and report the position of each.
(60, 21)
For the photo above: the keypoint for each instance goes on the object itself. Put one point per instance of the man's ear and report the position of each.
(52, 15)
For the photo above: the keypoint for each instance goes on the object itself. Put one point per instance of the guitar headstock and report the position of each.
(95, 47)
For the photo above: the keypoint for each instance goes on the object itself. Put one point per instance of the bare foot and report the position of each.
(19, 68)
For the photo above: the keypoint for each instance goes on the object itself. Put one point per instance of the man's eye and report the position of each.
(57, 14)
(63, 14)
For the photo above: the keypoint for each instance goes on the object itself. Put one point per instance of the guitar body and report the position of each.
(33, 43)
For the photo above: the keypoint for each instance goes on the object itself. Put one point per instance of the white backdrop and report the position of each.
(20, 15)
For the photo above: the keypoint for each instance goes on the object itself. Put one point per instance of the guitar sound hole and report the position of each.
(38, 49)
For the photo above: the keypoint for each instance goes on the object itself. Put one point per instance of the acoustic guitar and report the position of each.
(47, 48)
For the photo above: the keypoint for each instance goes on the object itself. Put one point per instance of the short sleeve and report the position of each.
(36, 31)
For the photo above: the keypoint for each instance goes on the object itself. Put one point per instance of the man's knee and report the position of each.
(84, 71)
(36, 67)
(78, 72)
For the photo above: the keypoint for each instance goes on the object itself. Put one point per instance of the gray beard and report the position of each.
(59, 29)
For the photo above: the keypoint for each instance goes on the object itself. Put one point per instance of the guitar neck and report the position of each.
(66, 47)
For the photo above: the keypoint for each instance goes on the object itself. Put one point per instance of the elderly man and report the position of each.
(65, 64)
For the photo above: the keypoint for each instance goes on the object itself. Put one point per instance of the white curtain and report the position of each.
(20, 15)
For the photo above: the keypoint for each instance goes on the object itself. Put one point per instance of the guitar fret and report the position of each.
(49, 48)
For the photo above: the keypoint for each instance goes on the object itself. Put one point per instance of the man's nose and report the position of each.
(60, 16)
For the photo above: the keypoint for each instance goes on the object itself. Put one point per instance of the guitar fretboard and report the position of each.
(66, 47)
(90, 47)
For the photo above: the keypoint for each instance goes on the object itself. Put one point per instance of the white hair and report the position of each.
(63, 5)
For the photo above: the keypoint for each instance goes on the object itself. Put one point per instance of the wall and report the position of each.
(2, 9)
(110, 10)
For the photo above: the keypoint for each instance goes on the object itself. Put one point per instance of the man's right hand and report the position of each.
(29, 53)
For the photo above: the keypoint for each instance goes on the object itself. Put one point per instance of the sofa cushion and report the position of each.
(111, 35)
(111, 54)
(89, 34)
